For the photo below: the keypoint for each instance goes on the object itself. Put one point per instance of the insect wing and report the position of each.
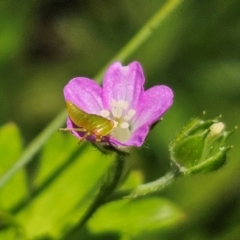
(93, 123)
(77, 115)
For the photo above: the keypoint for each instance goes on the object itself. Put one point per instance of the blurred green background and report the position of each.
(196, 51)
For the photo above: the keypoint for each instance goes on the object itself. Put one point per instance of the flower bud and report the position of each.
(199, 146)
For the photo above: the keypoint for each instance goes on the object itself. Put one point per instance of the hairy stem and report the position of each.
(115, 174)
(153, 187)
(147, 188)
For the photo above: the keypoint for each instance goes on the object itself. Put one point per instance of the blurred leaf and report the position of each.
(10, 234)
(10, 150)
(9, 230)
(134, 179)
(67, 186)
(133, 217)
(54, 154)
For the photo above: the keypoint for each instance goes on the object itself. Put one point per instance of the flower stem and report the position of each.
(153, 187)
(115, 174)
(33, 147)
(148, 188)
(141, 37)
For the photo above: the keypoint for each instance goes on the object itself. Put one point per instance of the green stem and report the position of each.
(143, 35)
(122, 55)
(33, 147)
(147, 188)
(154, 186)
(115, 174)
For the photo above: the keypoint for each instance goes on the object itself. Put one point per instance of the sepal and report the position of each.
(200, 146)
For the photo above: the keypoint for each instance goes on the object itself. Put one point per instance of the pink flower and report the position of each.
(122, 99)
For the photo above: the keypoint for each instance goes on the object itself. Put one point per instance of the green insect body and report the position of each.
(92, 124)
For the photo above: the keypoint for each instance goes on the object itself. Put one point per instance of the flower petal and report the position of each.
(136, 139)
(153, 103)
(123, 83)
(85, 93)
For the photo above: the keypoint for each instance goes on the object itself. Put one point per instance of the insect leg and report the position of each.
(98, 138)
(84, 137)
(72, 129)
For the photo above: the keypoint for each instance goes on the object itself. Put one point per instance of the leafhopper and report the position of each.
(90, 124)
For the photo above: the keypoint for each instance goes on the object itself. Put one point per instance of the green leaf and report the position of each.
(133, 217)
(55, 153)
(11, 234)
(9, 229)
(10, 150)
(134, 179)
(67, 184)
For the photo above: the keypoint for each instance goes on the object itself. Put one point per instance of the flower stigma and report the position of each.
(122, 116)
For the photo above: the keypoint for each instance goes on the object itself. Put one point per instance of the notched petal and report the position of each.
(153, 104)
(84, 93)
(123, 83)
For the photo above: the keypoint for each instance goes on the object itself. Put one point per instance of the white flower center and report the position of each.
(122, 116)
